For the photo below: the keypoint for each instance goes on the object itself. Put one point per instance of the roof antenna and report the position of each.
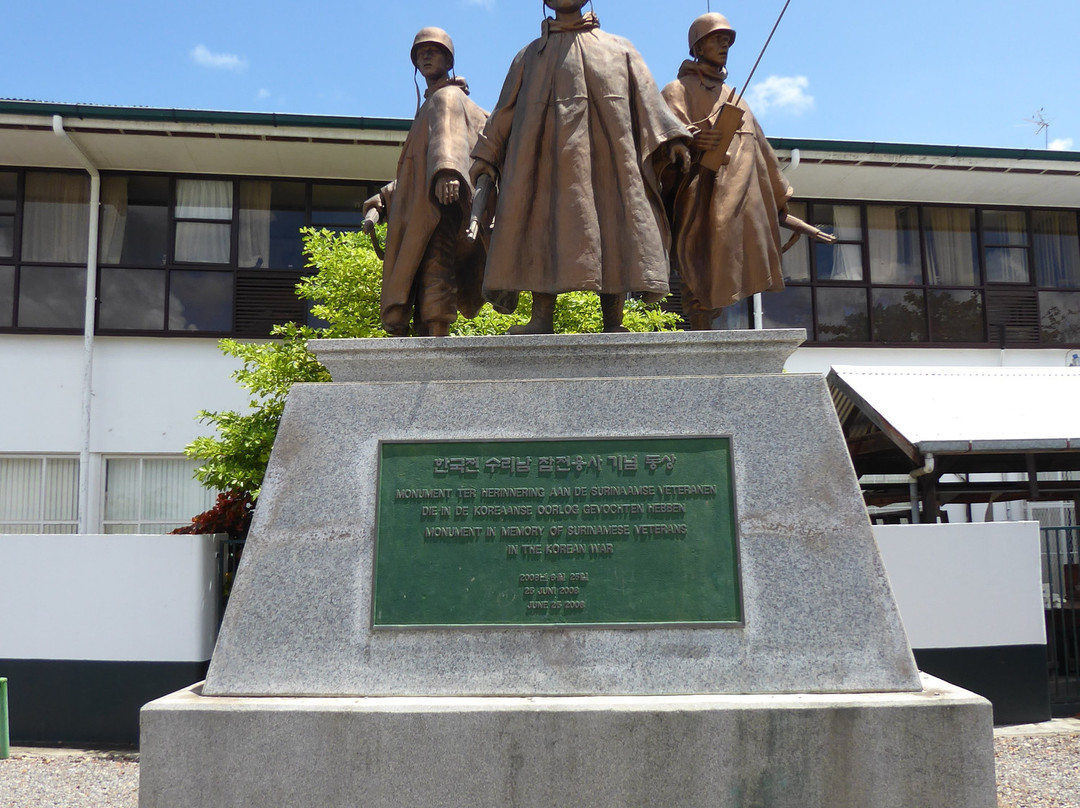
(1041, 125)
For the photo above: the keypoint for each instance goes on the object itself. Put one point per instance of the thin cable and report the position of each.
(767, 41)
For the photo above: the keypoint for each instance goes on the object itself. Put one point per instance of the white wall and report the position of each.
(112, 598)
(41, 379)
(819, 360)
(146, 393)
(966, 585)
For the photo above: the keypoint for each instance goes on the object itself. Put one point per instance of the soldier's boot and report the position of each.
(611, 306)
(700, 320)
(543, 316)
(436, 328)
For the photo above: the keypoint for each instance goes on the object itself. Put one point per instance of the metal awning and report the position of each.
(970, 420)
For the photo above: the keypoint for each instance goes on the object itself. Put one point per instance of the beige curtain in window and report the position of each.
(203, 242)
(56, 218)
(885, 245)
(254, 235)
(950, 259)
(1057, 249)
(114, 206)
(847, 258)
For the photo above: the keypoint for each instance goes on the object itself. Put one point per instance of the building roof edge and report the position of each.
(155, 114)
(923, 149)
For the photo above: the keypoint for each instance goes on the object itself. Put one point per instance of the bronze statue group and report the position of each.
(604, 183)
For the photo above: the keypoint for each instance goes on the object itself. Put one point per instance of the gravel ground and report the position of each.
(1037, 767)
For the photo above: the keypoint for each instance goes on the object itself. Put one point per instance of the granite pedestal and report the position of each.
(811, 699)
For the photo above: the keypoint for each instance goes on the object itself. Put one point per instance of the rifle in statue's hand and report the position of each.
(479, 205)
(371, 218)
(798, 227)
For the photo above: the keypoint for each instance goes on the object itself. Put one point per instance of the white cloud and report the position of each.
(1061, 144)
(263, 93)
(488, 4)
(204, 57)
(781, 93)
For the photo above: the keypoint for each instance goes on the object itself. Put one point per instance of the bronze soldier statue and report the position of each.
(574, 144)
(430, 270)
(728, 209)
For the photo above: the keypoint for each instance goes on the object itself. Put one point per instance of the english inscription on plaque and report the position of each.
(629, 531)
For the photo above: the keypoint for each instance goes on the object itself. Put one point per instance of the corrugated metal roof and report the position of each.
(962, 410)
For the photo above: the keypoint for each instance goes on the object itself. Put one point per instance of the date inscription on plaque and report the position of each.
(538, 533)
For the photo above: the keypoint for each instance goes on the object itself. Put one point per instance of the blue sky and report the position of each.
(952, 72)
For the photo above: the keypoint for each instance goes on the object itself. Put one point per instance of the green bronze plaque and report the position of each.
(539, 533)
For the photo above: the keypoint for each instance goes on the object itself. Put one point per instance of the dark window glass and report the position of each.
(7, 213)
(56, 218)
(134, 220)
(200, 300)
(8, 186)
(841, 315)
(52, 297)
(796, 261)
(899, 315)
(956, 316)
(1060, 317)
(7, 236)
(271, 215)
(7, 296)
(1057, 249)
(952, 257)
(841, 261)
(790, 308)
(1004, 228)
(132, 299)
(732, 317)
(894, 245)
(338, 206)
(1005, 239)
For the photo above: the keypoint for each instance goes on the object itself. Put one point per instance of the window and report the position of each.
(39, 494)
(841, 261)
(271, 215)
(1005, 240)
(232, 262)
(8, 196)
(152, 494)
(8, 202)
(944, 275)
(894, 245)
(204, 211)
(952, 257)
(51, 279)
(183, 255)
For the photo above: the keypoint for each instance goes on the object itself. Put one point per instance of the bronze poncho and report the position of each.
(726, 231)
(573, 135)
(441, 137)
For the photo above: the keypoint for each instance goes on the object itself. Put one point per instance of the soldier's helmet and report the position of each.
(707, 24)
(435, 36)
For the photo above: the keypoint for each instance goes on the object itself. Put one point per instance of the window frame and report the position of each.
(40, 519)
(139, 522)
(985, 289)
(238, 327)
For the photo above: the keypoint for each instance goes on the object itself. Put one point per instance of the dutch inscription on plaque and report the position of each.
(538, 533)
